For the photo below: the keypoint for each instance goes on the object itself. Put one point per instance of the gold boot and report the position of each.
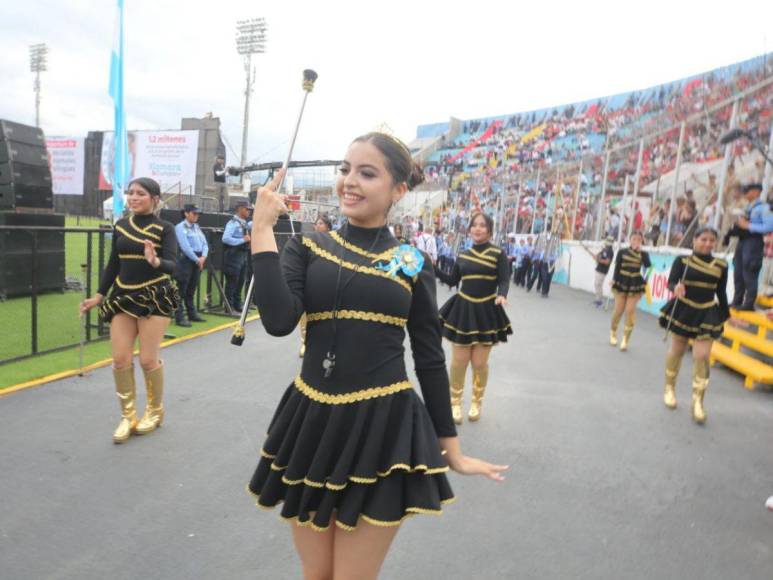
(304, 322)
(700, 381)
(673, 363)
(479, 381)
(626, 337)
(613, 331)
(127, 392)
(154, 411)
(456, 377)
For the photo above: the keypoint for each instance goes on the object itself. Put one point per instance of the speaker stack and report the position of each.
(27, 201)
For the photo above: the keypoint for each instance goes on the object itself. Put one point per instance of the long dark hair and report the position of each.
(487, 218)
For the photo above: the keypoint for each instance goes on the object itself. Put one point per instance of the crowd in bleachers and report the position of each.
(534, 158)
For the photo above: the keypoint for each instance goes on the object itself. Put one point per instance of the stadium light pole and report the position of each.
(38, 64)
(250, 39)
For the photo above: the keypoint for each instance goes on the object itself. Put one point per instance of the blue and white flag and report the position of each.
(120, 143)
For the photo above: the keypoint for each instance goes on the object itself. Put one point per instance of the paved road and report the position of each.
(605, 482)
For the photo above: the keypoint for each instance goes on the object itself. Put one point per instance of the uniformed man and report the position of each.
(194, 249)
(236, 252)
(548, 263)
(221, 189)
(747, 261)
(537, 256)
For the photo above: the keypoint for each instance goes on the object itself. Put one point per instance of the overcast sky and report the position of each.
(395, 62)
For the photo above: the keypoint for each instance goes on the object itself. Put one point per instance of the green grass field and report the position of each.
(58, 320)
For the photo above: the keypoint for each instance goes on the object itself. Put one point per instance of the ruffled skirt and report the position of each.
(691, 322)
(466, 323)
(159, 299)
(629, 285)
(376, 460)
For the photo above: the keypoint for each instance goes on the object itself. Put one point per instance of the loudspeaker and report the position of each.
(24, 185)
(11, 131)
(23, 153)
(16, 263)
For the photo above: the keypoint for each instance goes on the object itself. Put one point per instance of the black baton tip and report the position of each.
(237, 340)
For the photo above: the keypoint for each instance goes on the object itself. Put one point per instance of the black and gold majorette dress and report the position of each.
(139, 289)
(627, 277)
(359, 445)
(471, 316)
(701, 313)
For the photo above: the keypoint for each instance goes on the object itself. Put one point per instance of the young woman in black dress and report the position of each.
(474, 318)
(628, 285)
(323, 224)
(697, 312)
(142, 301)
(351, 450)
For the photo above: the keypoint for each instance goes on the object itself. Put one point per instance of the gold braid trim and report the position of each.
(630, 274)
(709, 269)
(698, 284)
(483, 256)
(457, 331)
(131, 256)
(134, 238)
(477, 261)
(699, 305)
(703, 327)
(479, 277)
(358, 315)
(472, 299)
(352, 266)
(353, 397)
(358, 250)
(143, 230)
(142, 285)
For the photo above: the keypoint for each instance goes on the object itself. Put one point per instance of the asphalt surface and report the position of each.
(605, 482)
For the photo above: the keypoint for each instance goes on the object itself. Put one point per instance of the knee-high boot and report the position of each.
(479, 382)
(154, 410)
(456, 379)
(673, 364)
(613, 330)
(127, 392)
(627, 330)
(700, 382)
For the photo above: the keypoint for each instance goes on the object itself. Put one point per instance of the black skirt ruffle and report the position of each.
(159, 299)
(465, 322)
(691, 322)
(378, 460)
(630, 285)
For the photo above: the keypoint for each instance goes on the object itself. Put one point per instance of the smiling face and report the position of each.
(366, 188)
(479, 231)
(636, 241)
(139, 200)
(704, 243)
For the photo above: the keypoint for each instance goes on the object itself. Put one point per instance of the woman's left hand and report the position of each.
(500, 301)
(150, 254)
(465, 465)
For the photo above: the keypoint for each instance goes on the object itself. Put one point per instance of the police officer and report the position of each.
(537, 257)
(747, 261)
(190, 262)
(236, 246)
(524, 270)
(603, 262)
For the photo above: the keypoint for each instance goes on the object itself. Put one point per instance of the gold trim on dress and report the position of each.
(468, 332)
(701, 266)
(354, 267)
(135, 238)
(483, 256)
(143, 230)
(699, 305)
(358, 250)
(699, 284)
(478, 300)
(703, 327)
(477, 261)
(353, 397)
(358, 315)
(131, 256)
(138, 286)
(479, 277)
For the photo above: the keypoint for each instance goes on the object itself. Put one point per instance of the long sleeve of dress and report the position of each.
(645, 261)
(110, 272)
(722, 295)
(451, 279)
(168, 255)
(503, 275)
(429, 359)
(618, 263)
(279, 286)
(675, 276)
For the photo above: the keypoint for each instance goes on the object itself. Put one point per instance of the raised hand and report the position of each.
(269, 205)
(150, 254)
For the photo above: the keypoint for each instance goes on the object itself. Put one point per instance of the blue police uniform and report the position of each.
(747, 261)
(235, 254)
(192, 245)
